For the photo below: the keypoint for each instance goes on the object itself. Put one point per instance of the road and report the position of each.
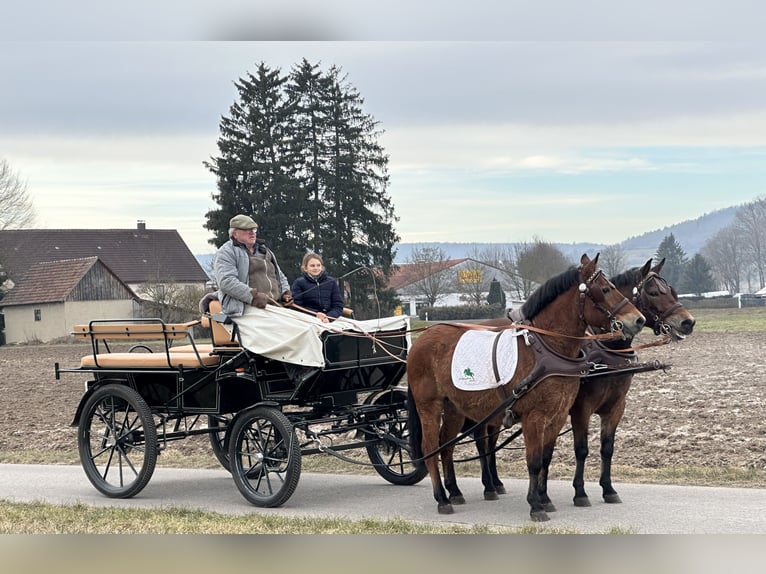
(648, 509)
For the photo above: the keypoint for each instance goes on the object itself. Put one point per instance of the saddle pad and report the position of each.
(476, 355)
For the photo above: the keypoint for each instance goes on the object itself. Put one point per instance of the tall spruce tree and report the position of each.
(357, 230)
(299, 154)
(675, 259)
(255, 166)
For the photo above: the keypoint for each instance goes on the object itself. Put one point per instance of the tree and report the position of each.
(675, 259)
(255, 169)
(724, 253)
(612, 260)
(496, 294)
(537, 262)
(299, 154)
(427, 265)
(698, 277)
(16, 207)
(751, 224)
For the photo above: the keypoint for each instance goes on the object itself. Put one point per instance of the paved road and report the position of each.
(647, 509)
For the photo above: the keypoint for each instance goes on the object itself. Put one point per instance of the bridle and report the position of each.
(643, 302)
(592, 291)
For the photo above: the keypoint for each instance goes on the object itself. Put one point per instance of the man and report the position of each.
(247, 271)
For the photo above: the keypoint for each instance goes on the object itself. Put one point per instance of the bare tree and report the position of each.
(427, 265)
(725, 254)
(16, 209)
(751, 223)
(612, 260)
(537, 262)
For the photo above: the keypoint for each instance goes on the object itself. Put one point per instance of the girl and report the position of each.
(316, 291)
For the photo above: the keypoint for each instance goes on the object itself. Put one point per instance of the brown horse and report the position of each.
(606, 395)
(558, 314)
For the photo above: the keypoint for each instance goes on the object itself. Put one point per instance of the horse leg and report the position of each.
(580, 437)
(424, 420)
(608, 431)
(452, 423)
(543, 483)
(493, 433)
(483, 442)
(533, 439)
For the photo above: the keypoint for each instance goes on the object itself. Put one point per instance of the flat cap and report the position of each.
(242, 222)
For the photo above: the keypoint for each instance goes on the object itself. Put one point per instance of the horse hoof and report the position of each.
(548, 506)
(612, 498)
(582, 501)
(458, 499)
(490, 496)
(500, 489)
(539, 516)
(445, 509)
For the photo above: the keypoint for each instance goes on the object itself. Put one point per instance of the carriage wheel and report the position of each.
(117, 441)
(219, 439)
(391, 459)
(265, 456)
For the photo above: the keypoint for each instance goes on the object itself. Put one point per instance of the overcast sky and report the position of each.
(567, 124)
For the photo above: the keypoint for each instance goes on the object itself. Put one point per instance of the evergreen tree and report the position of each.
(254, 168)
(299, 154)
(675, 259)
(496, 294)
(698, 276)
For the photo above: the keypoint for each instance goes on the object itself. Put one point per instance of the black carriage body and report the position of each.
(353, 365)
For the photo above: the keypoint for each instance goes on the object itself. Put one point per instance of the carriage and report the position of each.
(151, 383)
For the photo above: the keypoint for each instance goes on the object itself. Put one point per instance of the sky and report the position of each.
(568, 122)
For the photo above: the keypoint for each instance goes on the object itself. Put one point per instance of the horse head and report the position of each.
(602, 306)
(659, 303)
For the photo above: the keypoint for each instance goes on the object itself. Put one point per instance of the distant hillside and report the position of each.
(691, 235)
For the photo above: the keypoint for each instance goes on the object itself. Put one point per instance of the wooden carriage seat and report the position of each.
(141, 331)
(220, 336)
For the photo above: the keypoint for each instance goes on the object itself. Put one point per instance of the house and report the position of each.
(140, 257)
(143, 261)
(457, 276)
(52, 296)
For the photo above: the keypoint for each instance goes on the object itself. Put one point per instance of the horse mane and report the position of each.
(626, 278)
(548, 291)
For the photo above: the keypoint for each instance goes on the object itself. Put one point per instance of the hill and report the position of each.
(691, 235)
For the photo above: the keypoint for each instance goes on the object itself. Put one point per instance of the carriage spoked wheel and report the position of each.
(117, 440)
(219, 438)
(391, 459)
(264, 455)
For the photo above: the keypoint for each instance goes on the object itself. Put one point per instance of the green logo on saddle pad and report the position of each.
(468, 373)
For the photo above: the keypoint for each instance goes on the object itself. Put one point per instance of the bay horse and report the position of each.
(606, 395)
(558, 314)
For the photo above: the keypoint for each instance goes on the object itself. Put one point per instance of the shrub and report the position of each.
(461, 312)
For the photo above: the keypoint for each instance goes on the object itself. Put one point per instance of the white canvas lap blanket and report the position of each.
(294, 337)
(485, 359)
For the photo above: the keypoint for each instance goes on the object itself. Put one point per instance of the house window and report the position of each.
(38, 315)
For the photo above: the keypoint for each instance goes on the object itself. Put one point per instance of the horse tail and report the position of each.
(415, 427)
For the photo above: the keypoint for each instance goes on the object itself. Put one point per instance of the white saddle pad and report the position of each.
(485, 359)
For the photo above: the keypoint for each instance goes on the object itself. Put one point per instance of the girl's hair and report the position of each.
(308, 257)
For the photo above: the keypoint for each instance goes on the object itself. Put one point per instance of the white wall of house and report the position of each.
(57, 319)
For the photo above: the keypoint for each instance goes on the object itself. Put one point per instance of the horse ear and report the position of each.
(657, 268)
(646, 268)
(584, 260)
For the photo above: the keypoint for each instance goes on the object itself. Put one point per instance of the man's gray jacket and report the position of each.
(231, 266)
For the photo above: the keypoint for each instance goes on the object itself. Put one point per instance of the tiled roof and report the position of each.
(134, 255)
(409, 273)
(49, 281)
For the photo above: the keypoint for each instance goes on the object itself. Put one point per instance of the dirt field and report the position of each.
(706, 411)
